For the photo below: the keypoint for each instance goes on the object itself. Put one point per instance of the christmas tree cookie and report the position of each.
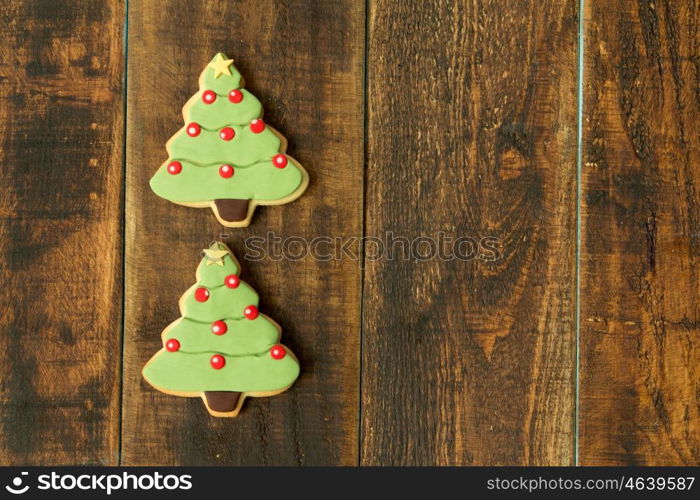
(222, 349)
(226, 157)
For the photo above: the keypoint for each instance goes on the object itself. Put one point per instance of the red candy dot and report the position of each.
(218, 327)
(201, 294)
(227, 133)
(231, 281)
(226, 171)
(279, 161)
(208, 96)
(251, 312)
(257, 126)
(235, 96)
(193, 129)
(217, 361)
(174, 167)
(172, 345)
(278, 352)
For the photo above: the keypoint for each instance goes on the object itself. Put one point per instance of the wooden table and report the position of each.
(580, 343)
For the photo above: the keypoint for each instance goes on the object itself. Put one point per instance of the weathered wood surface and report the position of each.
(61, 164)
(471, 131)
(304, 61)
(471, 116)
(640, 283)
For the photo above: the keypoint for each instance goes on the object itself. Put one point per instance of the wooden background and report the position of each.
(579, 345)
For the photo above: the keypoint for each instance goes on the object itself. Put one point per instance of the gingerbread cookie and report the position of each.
(222, 349)
(226, 157)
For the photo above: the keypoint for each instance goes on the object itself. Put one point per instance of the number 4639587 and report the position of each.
(659, 483)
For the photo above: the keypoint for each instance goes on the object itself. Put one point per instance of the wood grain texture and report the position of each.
(61, 133)
(640, 308)
(471, 131)
(304, 61)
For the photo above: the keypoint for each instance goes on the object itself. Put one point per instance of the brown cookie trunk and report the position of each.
(232, 210)
(222, 401)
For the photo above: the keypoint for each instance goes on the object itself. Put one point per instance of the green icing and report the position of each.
(184, 372)
(262, 181)
(246, 148)
(243, 336)
(223, 84)
(224, 302)
(222, 113)
(213, 275)
(245, 345)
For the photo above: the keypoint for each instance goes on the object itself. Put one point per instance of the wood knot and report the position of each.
(511, 165)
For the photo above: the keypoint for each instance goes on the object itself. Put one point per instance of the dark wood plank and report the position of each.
(61, 127)
(640, 312)
(472, 131)
(304, 60)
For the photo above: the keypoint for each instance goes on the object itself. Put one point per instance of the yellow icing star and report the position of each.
(215, 256)
(221, 65)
